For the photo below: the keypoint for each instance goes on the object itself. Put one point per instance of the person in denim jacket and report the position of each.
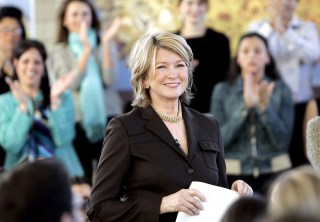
(294, 43)
(255, 111)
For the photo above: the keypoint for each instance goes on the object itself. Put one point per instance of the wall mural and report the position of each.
(228, 16)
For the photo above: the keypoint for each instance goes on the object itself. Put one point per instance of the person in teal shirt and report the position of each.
(37, 121)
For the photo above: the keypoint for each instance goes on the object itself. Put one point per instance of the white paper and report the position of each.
(218, 199)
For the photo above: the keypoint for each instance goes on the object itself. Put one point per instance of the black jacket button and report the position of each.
(190, 171)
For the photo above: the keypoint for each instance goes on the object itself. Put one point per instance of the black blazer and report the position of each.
(141, 160)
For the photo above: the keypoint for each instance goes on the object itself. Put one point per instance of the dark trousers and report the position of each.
(296, 147)
(88, 153)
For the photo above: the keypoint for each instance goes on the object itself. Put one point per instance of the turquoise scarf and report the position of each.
(91, 98)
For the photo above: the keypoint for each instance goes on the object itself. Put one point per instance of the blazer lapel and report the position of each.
(158, 128)
(192, 128)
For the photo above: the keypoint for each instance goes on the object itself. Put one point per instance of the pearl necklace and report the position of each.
(171, 119)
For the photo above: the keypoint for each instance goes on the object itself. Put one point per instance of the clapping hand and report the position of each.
(17, 92)
(249, 92)
(256, 93)
(265, 90)
(110, 31)
(59, 87)
(275, 18)
(83, 34)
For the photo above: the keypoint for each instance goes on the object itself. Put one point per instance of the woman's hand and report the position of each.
(110, 31)
(242, 188)
(17, 92)
(265, 90)
(83, 34)
(185, 200)
(256, 93)
(249, 92)
(278, 25)
(59, 87)
(275, 17)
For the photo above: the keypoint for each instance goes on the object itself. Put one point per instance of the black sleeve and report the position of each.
(114, 165)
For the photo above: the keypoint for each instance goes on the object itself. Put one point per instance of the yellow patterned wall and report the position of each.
(233, 16)
(228, 16)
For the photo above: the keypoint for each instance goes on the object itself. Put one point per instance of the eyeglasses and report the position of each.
(13, 31)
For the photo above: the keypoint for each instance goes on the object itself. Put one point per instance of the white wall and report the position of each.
(28, 9)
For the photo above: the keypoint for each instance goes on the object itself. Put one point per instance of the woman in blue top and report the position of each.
(255, 111)
(35, 121)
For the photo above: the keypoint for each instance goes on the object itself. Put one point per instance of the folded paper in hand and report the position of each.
(218, 199)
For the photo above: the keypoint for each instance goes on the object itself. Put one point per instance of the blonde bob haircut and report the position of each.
(142, 61)
(295, 190)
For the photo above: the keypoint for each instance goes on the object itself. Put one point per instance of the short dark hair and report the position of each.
(248, 208)
(15, 13)
(38, 191)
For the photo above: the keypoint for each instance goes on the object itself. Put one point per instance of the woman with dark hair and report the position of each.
(36, 121)
(11, 31)
(255, 111)
(81, 53)
(248, 208)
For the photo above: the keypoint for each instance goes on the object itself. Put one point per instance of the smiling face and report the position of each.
(29, 68)
(169, 79)
(193, 11)
(76, 12)
(252, 56)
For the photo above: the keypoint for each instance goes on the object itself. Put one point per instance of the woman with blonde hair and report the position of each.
(295, 190)
(152, 154)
